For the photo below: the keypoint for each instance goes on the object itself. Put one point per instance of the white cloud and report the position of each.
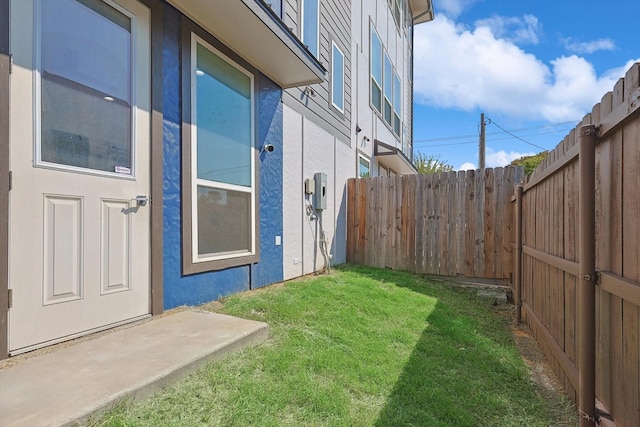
(467, 166)
(525, 30)
(588, 47)
(452, 8)
(456, 67)
(501, 158)
(495, 159)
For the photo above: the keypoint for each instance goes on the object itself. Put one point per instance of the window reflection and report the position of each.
(86, 85)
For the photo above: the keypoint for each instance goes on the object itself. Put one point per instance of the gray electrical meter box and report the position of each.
(320, 195)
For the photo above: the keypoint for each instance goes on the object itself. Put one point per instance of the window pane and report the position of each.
(376, 56)
(396, 124)
(388, 77)
(363, 168)
(387, 111)
(397, 94)
(337, 92)
(276, 5)
(376, 96)
(85, 86)
(223, 119)
(310, 25)
(224, 221)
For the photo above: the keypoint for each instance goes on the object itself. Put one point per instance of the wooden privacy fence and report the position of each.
(453, 223)
(578, 258)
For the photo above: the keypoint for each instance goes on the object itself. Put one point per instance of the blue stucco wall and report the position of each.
(269, 269)
(196, 289)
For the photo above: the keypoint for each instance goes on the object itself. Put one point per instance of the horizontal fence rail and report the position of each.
(449, 224)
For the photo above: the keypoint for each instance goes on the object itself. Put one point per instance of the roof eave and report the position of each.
(251, 29)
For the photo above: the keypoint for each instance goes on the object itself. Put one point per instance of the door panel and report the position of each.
(114, 245)
(79, 147)
(62, 263)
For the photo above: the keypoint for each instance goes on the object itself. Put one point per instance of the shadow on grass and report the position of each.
(464, 369)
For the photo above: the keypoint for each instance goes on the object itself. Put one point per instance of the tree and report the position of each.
(530, 162)
(430, 164)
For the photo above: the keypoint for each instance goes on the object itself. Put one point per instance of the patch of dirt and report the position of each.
(543, 376)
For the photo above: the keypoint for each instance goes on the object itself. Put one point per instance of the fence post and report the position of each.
(518, 267)
(586, 279)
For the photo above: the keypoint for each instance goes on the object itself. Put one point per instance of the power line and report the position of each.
(516, 136)
(449, 138)
(416, 143)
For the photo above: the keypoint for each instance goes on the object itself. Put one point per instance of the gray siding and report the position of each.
(335, 26)
(291, 15)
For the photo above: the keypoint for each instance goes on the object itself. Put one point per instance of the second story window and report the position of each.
(337, 78)
(397, 103)
(310, 24)
(396, 13)
(376, 70)
(276, 6)
(386, 86)
(388, 89)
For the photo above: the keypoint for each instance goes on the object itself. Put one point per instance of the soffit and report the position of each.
(250, 29)
(422, 11)
(392, 157)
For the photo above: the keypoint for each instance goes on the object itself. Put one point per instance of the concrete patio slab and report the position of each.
(67, 385)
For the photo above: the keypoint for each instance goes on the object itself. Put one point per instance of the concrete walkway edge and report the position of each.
(69, 385)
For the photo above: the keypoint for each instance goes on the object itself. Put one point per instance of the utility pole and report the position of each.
(481, 150)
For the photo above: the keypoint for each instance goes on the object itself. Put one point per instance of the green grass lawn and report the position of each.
(359, 347)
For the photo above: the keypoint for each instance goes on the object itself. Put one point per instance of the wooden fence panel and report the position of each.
(450, 224)
(550, 209)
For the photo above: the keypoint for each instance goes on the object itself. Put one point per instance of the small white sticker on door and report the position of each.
(123, 169)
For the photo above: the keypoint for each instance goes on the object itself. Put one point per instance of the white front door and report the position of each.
(79, 147)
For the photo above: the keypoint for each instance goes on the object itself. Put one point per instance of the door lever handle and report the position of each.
(141, 200)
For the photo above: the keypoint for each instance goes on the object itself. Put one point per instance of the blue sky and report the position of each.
(535, 68)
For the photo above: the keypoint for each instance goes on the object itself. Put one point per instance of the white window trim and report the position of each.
(37, 101)
(317, 38)
(335, 47)
(195, 182)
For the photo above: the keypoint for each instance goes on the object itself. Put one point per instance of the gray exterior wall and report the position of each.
(397, 41)
(335, 27)
(317, 138)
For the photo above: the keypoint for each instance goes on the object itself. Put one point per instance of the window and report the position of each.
(85, 72)
(222, 170)
(276, 6)
(397, 14)
(364, 167)
(310, 25)
(388, 89)
(376, 70)
(337, 78)
(397, 103)
(408, 20)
